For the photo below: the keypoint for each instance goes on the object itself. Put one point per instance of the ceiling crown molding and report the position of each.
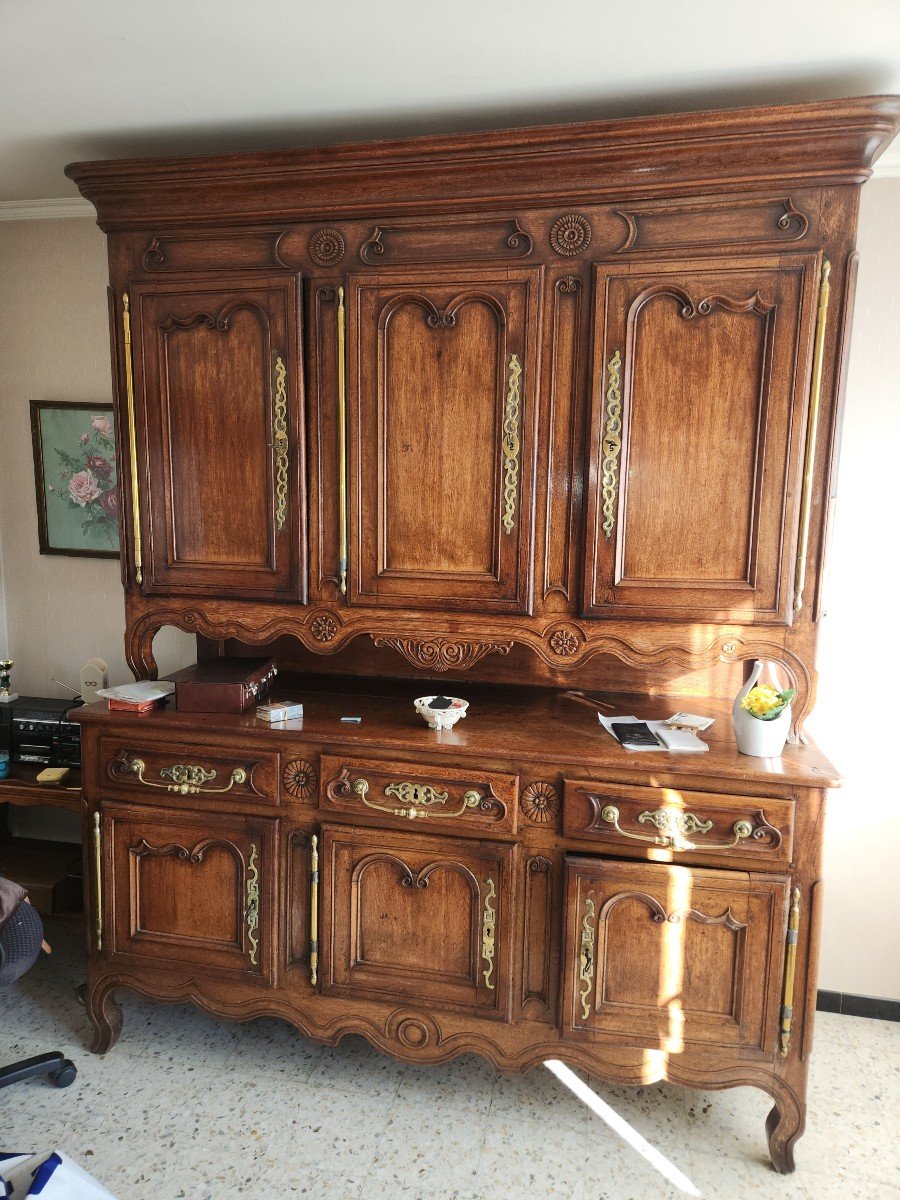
(43, 210)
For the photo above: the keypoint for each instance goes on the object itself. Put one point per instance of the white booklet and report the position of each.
(676, 741)
(139, 693)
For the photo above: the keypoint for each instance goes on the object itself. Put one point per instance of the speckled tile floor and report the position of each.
(189, 1107)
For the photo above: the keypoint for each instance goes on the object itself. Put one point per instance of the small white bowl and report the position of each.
(440, 718)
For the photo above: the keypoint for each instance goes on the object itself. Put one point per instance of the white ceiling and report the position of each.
(82, 79)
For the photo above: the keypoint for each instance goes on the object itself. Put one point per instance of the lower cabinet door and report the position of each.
(669, 957)
(191, 890)
(421, 920)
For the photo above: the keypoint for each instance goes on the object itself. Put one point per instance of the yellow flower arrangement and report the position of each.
(766, 703)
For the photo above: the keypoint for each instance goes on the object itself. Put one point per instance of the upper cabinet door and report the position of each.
(700, 386)
(220, 436)
(442, 378)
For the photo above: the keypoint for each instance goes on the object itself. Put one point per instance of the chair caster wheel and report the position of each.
(64, 1075)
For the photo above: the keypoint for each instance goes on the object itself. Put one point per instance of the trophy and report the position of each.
(6, 696)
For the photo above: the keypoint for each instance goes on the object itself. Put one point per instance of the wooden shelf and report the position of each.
(49, 871)
(21, 787)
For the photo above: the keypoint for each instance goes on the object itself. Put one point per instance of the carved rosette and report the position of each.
(300, 779)
(540, 803)
(326, 247)
(323, 627)
(571, 234)
(441, 654)
(564, 641)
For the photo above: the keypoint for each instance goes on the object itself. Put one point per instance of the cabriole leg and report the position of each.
(105, 1016)
(784, 1125)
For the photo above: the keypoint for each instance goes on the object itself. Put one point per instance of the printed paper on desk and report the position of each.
(672, 741)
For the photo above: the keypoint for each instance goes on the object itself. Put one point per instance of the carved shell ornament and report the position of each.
(540, 802)
(300, 779)
(570, 234)
(326, 247)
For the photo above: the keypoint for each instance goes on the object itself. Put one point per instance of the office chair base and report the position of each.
(55, 1066)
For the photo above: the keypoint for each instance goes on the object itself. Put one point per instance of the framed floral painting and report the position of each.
(75, 478)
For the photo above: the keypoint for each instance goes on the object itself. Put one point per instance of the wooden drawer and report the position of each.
(212, 778)
(456, 798)
(703, 825)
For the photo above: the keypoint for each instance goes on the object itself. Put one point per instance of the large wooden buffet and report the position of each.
(522, 412)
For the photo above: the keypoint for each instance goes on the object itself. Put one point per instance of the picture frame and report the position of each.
(75, 478)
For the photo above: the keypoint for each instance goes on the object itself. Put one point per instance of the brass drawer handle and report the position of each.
(809, 465)
(280, 438)
(612, 441)
(510, 443)
(98, 879)
(586, 959)
(675, 828)
(488, 932)
(416, 797)
(252, 911)
(187, 780)
(132, 443)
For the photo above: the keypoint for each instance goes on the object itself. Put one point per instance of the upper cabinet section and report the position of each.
(699, 393)
(219, 434)
(442, 377)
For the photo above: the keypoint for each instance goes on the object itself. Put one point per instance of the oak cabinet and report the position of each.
(220, 435)
(198, 890)
(420, 919)
(442, 377)
(573, 419)
(667, 957)
(700, 383)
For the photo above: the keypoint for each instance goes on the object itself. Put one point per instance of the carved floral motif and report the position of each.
(326, 247)
(442, 654)
(564, 641)
(540, 803)
(323, 627)
(300, 779)
(570, 234)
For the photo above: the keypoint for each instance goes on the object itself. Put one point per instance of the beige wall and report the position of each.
(59, 611)
(859, 660)
(54, 346)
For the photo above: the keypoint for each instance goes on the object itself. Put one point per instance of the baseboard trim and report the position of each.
(858, 1006)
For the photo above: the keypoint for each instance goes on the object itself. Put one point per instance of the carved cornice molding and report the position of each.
(566, 165)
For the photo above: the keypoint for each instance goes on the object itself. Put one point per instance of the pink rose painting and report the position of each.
(83, 488)
(78, 492)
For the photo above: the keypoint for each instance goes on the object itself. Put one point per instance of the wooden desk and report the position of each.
(21, 787)
(43, 867)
